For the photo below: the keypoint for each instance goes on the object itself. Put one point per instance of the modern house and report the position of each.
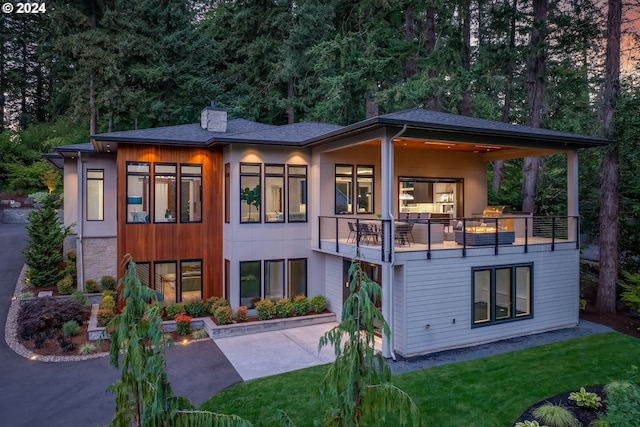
(244, 210)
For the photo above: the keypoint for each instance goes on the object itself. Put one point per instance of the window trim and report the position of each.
(101, 213)
(240, 201)
(201, 276)
(306, 190)
(492, 289)
(149, 175)
(335, 188)
(373, 187)
(282, 262)
(306, 276)
(263, 203)
(179, 208)
(227, 193)
(155, 176)
(355, 178)
(177, 284)
(260, 287)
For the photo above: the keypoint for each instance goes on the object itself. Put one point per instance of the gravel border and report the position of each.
(11, 331)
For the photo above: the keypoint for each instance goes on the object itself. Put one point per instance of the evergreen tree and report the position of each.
(143, 394)
(358, 384)
(46, 236)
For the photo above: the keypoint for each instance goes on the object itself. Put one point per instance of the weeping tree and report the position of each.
(143, 394)
(358, 384)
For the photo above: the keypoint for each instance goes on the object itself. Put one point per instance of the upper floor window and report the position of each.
(95, 195)
(364, 189)
(274, 193)
(501, 293)
(165, 193)
(297, 182)
(137, 192)
(344, 189)
(347, 187)
(190, 193)
(250, 192)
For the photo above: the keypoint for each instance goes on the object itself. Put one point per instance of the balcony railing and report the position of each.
(341, 233)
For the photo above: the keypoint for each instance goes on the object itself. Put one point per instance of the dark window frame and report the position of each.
(149, 190)
(177, 279)
(306, 276)
(155, 177)
(283, 262)
(260, 287)
(304, 191)
(251, 174)
(264, 190)
(227, 193)
(335, 188)
(87, 178)
(182, 174)
(356, 184)
(513, 317)
(201, 277)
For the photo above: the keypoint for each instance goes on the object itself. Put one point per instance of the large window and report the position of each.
(347, 187)
(501, 293)
(95, 195)
(190, 193)
(191, 280)
(274, 280)
(227, 279)
(138, 192)
(250, 192)
(274, 193)
(344, 189)
(249, 283)
(297, 277)
(364, 189)
(165, 195)
(297, 181)
(165, 281)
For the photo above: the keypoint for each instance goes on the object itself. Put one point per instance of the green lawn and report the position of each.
(490, 392)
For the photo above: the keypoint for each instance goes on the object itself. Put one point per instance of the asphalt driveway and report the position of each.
(73, 394)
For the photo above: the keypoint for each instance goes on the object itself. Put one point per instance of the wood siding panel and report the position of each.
(179, 241)
(438, 291)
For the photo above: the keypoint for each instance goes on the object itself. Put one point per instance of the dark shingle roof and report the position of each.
(191, 134)
(292, 134)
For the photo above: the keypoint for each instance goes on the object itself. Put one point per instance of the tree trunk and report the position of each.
(410, 67)
(536, 72)
(430, 36)
(371, 103)
(93, 112)
(290, 95)
(465, 108)
(498, 165)
(608, 258)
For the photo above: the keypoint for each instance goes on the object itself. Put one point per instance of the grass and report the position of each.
(490, 392)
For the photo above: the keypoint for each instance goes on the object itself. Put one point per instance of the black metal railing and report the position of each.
(459, 233)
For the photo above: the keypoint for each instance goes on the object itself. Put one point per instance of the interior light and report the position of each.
(443, 144)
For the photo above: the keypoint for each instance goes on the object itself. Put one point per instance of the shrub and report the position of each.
(39, 196)
(183, 324)
(195, 308)
(266, 309)
(65, 285)
(87, 348)
(105, 316)
(301, 305)
(318, 303)
(631, 294)
(48, 315)
(586, 399)
(91, 286)
(224, 315)
(242, 313)
(66, 345)
(528, 423)
(623, 404)
(199, 334)
(556, 416)
(27, 294)
(284, 308)
(107, 303)
(108, 283)
(215, 302)
(175, 309)
(71, 256)
(79, 297)
(40, 340)
(71, 328)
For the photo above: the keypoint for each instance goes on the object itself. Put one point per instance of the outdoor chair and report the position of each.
(403, 234)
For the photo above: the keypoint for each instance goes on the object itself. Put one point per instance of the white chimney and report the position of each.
(213, 119)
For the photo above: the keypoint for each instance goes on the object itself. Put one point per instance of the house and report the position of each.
(245, 210)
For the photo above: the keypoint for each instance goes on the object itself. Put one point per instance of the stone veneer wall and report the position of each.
(99, 257)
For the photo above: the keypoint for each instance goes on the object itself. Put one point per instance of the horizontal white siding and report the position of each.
(333, 280)
(437, 291)
(398, 331)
